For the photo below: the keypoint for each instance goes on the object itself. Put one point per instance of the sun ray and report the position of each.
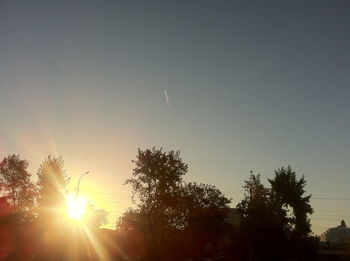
(76, 207)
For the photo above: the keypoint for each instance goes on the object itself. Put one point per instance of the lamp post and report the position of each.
(77, 191)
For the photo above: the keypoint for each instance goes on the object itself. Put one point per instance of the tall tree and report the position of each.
(264, 227)
(156, 181)
(16, 184)
(174, 218)
(290, 193)
(52, 182)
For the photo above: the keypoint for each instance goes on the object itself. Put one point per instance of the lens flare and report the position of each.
(76, 207)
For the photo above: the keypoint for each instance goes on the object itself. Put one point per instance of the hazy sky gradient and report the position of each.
(251, 86)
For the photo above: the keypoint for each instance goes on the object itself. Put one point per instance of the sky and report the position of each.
(234, 85)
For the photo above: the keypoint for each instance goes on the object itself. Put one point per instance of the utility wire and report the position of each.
(48, 140)
(334, 198)
(183, 92)
(50, 64)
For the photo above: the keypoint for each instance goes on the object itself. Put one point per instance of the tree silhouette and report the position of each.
(176, 219)
(206, 211)
(156, 182)
(289, 192)
(267, 231)
(52, 182)
(16, 185)
(264, 226)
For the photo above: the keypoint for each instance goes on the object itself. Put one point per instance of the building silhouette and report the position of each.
(337, 235)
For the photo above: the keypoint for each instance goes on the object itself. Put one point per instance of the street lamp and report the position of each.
(82, 175)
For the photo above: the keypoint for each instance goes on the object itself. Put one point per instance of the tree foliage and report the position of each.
(16, 184)
(157, 174)
(267, 228)
(156, 181)
(290, 193)
(171, 214)
(206, 216)
(52, 182)
(263, 224)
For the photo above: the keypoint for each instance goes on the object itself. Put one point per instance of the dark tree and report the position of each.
(289, 192)
(268, 231)
(52, 182)
(16, 185)
(264, 226)
(206, 214)
(175, 219)
(156, 185)
(132, 226)
(134, 220)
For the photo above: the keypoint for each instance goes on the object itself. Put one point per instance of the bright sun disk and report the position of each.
(76, 207)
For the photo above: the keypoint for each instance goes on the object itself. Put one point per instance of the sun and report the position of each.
(76, 207)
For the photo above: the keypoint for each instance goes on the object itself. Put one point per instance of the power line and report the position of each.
(51, 65)
(330, 198)
(108, 193)
(241, 102)
(48, 140)
(271, 106)
(329, 210)
(112, 201)
(181, 91)
(321, 215)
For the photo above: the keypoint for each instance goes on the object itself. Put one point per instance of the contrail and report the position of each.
(166, 98)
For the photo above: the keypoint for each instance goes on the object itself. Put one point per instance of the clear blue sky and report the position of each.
(251, 85)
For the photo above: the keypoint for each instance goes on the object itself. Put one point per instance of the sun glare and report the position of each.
(76, 207)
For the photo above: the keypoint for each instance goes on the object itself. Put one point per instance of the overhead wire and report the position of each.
(178, 90)
(59, 144)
